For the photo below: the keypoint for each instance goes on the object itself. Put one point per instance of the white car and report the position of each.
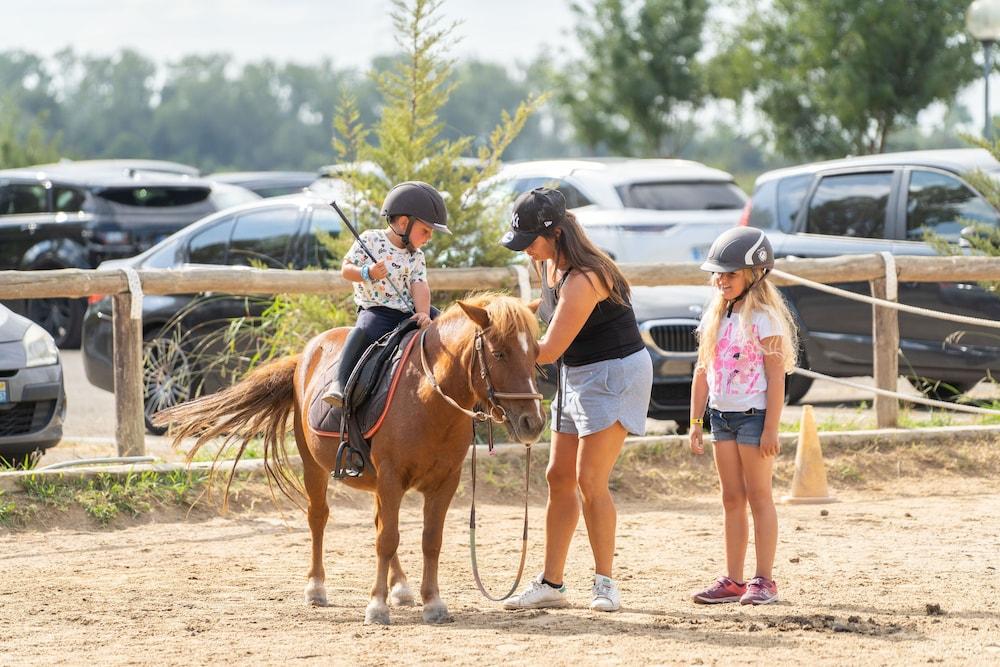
(638, 210)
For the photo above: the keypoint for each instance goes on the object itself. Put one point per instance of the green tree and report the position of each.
(837, 77)
(407, 142)
(23, 142)
(638, 86)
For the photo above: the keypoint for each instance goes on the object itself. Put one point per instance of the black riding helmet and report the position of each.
(740, 248)
(418, 201)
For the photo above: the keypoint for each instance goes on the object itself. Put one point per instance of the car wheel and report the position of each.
(20, 459)
(168, 376)
(941, 390)
(62, 318)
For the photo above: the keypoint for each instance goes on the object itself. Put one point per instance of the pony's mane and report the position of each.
(508, 315)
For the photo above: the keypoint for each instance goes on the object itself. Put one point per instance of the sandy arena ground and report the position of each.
(886, 578)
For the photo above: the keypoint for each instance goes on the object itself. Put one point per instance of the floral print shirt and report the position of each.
(404, 268)
(736, 380)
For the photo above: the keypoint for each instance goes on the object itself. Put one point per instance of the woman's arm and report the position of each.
(577, 299)
(774, 371)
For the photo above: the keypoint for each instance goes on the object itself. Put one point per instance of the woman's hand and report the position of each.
(423, 319)
(696, 438)
(770, 445)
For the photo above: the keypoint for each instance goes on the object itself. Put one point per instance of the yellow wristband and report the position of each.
(699, 421)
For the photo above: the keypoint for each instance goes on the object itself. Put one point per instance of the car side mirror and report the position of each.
(968, 234)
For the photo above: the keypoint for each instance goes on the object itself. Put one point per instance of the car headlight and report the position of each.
(39, 348)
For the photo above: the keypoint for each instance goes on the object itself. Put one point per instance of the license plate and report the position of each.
(3, 392)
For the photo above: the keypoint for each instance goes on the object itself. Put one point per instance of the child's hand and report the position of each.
(695, 436)
(378, 270)
(769, 444)
(423, 319)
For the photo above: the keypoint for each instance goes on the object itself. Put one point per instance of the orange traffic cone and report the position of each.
(809, 481)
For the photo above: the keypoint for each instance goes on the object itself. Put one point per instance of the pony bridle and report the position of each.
(495, 412)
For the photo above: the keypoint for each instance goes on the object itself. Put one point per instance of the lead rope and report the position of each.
(472, 520)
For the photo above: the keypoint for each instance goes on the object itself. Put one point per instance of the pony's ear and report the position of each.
(476, 314)
(533, 305)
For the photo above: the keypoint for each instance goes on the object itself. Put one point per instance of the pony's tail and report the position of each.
(257, 406)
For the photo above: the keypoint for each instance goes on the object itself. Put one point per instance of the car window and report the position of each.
(942, 205)
(153, 196)
(852, 205)
(675, 196)
(263, 236)
(163, 257)
(324, 226)
(574, 198)
(791, 193)
(23, 198)
(209, 245)
(67, 200)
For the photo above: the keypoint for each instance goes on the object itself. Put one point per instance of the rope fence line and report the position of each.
(893, 394)
(915, 310)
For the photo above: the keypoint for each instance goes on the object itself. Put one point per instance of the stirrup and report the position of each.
(354, 466)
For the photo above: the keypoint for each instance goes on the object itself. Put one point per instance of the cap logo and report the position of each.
(514, 221)
(547, 223)
(507, 238)
(762, 255)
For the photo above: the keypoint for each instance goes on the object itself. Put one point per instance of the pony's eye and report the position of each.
(497, 354)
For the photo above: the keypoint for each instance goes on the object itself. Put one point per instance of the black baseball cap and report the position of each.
(534, 212)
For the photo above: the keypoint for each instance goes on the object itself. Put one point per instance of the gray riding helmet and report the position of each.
(740, 248)
(417, 200)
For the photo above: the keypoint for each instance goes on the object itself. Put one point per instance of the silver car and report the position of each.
(636, 210)
(32, 396)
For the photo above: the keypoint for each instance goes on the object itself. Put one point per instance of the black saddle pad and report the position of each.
(372, 383)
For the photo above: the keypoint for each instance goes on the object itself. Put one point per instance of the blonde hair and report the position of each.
(762, 298)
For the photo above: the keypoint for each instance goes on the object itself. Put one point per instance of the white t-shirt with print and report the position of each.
(736, 380)
(404, 268)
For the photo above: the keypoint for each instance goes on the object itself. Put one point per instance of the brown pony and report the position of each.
(421, 444)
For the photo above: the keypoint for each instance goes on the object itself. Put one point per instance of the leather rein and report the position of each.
(495, 414)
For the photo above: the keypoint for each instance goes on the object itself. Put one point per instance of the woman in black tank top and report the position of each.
(593, 333)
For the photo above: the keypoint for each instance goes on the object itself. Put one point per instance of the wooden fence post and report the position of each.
(885, 346)
(130, 429)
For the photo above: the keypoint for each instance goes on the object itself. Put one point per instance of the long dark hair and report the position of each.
(581, 253)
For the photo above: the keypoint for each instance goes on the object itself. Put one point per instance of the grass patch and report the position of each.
(107, 497)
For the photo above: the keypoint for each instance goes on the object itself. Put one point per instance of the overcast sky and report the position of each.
(350, 32)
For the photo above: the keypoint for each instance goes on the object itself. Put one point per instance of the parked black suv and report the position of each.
(76, 215)
(878, 203)
(279, 232)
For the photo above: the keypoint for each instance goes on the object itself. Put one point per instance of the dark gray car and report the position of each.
(32, 399)
(879, 203)
(76, 215)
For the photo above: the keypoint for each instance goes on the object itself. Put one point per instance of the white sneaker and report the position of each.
(537, 596)
(606, 596)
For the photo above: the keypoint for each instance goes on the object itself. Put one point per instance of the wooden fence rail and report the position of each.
(233, 280)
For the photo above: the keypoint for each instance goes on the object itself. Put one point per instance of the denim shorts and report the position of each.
(743, 427)
(597, 395)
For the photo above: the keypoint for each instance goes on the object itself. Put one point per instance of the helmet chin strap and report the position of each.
(729, 306)
(405, 236)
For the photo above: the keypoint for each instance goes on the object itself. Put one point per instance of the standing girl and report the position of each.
(747, 343)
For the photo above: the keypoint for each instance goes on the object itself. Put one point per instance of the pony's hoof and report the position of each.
(401, 596)
(377, 613)
(315, 593)
(437, 612)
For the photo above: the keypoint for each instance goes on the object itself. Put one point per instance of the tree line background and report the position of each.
(813, 80)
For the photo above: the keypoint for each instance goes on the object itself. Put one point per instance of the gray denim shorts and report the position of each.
(599, 394)
(743, 427)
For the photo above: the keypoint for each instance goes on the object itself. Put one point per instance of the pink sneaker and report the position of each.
(722, 589)
(760, 590)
